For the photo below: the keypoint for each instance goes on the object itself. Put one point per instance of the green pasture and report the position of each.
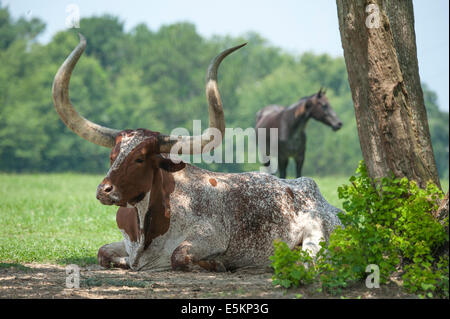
(53, 218)
(56, 218)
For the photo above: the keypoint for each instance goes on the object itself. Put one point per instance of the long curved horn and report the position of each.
(88, 130)
(216, 116)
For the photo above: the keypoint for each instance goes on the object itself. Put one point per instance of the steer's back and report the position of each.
(248, 211)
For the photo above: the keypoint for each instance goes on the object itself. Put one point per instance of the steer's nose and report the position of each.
(104, 189)
(107, 188)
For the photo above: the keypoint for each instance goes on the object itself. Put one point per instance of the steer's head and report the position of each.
(135, 160)
(137, 155)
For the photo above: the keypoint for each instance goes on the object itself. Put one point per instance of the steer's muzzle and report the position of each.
(106, 194)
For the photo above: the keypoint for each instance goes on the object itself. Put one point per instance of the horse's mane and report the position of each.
(301, 101)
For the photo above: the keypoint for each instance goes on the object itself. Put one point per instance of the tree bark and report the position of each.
(442, 213)
(442, 216)
(385, 84)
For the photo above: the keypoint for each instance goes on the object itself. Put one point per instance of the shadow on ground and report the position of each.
(80, 261)
(49, 281)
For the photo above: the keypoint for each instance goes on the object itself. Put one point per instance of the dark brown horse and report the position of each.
(291, 123)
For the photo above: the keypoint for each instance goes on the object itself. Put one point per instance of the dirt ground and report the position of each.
(49, 281)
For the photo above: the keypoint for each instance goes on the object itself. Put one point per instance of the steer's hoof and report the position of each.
(212, 265)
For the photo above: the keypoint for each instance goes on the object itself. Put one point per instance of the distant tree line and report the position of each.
(155, 80)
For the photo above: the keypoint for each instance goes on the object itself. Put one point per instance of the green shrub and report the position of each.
(290, 266)
(387, 223)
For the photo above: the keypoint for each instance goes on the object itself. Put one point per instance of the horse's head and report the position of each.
(322, 111)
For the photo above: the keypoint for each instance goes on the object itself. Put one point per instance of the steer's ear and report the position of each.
(167, 165)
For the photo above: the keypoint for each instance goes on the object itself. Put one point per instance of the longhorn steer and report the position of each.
(175, 215)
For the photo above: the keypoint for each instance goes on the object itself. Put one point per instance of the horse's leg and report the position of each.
(283, 161)
(300, 157)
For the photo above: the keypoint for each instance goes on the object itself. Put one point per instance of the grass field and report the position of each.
(53, 218)
(56, 218)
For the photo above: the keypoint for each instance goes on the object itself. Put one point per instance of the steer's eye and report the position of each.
(139, 160)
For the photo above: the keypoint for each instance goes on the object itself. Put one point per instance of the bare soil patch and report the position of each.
(49, 281)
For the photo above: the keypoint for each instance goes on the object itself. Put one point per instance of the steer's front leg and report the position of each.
(313, 235)
(190, 256)
(113, 255)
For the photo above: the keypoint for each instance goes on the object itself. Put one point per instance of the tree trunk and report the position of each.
(442, 216)
(384, 79)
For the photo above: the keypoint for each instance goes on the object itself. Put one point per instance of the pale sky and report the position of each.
(293, 25)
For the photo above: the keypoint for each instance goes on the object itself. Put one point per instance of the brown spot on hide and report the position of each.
(127, 219)
(290, 193)
(213, 182)
(157, 219)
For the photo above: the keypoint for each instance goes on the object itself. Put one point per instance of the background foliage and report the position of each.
(155, 79)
